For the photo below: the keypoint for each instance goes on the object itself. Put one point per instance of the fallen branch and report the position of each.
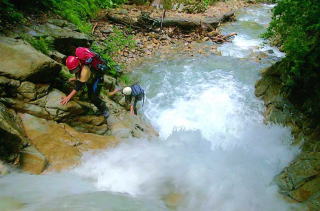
(223, 38)
(94, 27)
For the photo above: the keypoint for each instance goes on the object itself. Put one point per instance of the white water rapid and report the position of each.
(214, 151)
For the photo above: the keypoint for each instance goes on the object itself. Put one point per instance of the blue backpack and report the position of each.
(138, 92)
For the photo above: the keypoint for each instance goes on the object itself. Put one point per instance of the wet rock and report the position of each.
(61, 145)
(304, 168)
(3, 169)
(229, 16)
(48, 106)
(126, 126)
(23, 62)
(57, 56)
(29, 108)
(173, 200)
(6, 82)
(12, 137)
(307, 190)
(313, 202)
(109, 82)
(32, 161)
(89, 124)
(58, 111)
(27, 90)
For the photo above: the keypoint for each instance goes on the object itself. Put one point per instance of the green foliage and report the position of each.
(296, 28)
(116, 42)
(297, 25)
(8, 13)
(126, 80)
(194, 6)
(80, 11)
(45, 45)
(76, 11)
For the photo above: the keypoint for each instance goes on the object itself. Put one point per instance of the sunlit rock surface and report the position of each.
(61, 144)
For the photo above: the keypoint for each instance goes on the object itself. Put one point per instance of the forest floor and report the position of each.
(169, 40)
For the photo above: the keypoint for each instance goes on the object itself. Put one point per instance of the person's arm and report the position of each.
(65, 100)
(72, 79)
(114, 92)
(131, 110)
(78, 87)
(132, 105)
(84, 77)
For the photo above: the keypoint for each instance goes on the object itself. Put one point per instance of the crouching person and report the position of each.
(84, 76)
(132, 94)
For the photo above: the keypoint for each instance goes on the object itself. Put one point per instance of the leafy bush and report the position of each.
(118, 40)
(194, 6)
(8, 13)
(76, 11)
(115, 43)
(296, 28)
(42, 44)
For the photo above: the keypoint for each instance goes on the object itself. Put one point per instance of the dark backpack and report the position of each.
(138, 92)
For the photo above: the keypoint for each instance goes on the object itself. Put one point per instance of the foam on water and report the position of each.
(250, 24)
(213, 147)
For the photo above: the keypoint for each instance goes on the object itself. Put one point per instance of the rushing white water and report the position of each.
(214, 150)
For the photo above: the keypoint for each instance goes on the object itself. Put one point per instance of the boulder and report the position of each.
(89, 124)
(48, 106)
(303, 169)
(109, 82)
(32, 161)
(58, 111)
(64, 34)
(6, 82)
(27, 90)
(313, 203)
(62, 145)
(307, 190)
(124, 125)
(12, 137)
(23, 62)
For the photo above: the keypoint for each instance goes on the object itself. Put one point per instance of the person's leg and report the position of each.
(94, 92)
(135, 106)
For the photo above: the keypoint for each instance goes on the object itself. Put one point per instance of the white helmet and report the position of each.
(127, 91)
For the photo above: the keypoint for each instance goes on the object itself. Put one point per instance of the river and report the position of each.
(214, 151)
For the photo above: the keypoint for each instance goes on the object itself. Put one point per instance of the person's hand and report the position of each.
(131, 110)
(72, 79)
(113, 92)
(64, 100)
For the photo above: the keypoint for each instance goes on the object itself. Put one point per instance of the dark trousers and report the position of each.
(93, 94)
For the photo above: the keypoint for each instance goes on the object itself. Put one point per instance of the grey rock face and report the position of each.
(23, 62)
